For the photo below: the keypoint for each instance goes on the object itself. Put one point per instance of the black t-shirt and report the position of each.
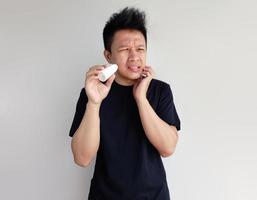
(128, 166)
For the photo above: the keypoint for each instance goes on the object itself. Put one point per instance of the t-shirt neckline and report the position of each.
(122, 86)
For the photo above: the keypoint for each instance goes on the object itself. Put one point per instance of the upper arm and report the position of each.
(79, 112)
(166, 108)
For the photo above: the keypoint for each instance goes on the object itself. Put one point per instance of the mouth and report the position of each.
(134, 68)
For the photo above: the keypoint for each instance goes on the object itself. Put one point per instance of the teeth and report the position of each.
(134, 67)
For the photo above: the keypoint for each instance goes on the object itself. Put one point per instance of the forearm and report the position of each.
(160, 134)
(86, 139)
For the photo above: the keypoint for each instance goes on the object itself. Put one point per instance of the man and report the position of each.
(129, 121)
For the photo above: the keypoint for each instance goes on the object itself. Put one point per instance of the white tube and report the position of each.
(107, 72)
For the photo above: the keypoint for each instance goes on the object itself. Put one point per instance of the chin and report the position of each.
(134, 76)
(129, 75)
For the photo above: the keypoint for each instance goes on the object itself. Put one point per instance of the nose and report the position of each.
(133, 55)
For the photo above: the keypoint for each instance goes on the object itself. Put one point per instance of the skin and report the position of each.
(128, 50)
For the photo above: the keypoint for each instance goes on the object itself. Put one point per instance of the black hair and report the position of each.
(127, 18)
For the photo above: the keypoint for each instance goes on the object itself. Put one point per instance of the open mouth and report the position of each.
(134, 68)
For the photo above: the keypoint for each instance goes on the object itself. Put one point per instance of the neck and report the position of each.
(122, 81)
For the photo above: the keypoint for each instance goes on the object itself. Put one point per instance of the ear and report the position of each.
(107, 55)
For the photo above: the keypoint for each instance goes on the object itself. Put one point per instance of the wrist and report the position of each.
(93, 105)
(142, 101)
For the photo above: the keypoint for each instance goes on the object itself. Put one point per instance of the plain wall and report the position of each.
(206, 50)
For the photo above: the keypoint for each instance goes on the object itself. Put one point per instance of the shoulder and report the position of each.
(158, 92)
(83, 94)
(158, 85)
(158, 82)
(158, 89)
(82, 90)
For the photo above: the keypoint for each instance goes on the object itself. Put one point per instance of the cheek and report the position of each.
(121, 59)
(143, 58)
(142, 55)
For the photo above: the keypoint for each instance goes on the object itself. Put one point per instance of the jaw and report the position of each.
(127, 78)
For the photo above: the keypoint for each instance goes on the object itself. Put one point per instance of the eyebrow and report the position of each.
(126, 45)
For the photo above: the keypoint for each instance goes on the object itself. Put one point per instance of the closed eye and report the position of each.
(124, 49)
(141, 49)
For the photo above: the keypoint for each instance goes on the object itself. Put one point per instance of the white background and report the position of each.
(205, 49)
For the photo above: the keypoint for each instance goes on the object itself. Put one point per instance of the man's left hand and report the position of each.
(141, 86)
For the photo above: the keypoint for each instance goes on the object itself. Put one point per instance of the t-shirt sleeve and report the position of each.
(166, 109)
(79, 113)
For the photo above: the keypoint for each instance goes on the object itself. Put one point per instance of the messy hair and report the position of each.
(127, 18)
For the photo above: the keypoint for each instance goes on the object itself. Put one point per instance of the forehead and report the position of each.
(127, 36)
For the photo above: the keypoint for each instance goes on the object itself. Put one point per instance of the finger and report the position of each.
(151, 74)
(90, 72)
(145, 72)
(93, 72)
(110, 80)
(96, 67)
(91, 78)
(149, 70)
(93, 75)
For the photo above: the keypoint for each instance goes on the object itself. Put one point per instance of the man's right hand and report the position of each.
(96, 90)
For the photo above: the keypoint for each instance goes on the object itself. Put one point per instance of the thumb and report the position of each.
(110, 80)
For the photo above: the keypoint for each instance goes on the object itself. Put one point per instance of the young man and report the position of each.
(129, 121)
